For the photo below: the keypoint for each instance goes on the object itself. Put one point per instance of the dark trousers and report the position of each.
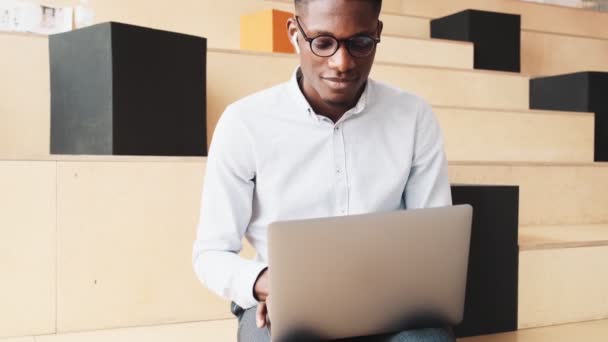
(249, 332)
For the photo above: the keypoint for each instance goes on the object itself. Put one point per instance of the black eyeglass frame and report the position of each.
(346, 41)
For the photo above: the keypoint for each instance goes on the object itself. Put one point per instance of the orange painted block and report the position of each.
(266, 31)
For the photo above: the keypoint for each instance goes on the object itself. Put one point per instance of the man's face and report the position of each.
(336, 80)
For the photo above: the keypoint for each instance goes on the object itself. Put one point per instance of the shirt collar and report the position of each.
(302, 104)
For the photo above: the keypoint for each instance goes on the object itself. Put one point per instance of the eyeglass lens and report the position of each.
(360, 46)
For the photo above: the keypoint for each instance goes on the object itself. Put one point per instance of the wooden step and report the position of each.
(542, 53)
(459, 88)
(225, 330)
(593, 331)
(124, 230)
(557, 237)
(202, 18)
(102, 267)
(411, 26)
(395, 23)
(493, 135)
(552, 54)
(27, 248)
(25, 120)
(425, 52)
(25, 89)
(550, 193)
(563, 274)
(535, 17)
(265, 31)
(19, 339)
(199, 18)
(218, 330)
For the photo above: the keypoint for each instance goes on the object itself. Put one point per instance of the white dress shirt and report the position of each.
(273, 158)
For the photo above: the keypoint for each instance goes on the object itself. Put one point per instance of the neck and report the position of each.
(331, 110)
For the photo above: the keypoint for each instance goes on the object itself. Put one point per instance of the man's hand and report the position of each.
(262, 316)
(262, 293)
(261, 288)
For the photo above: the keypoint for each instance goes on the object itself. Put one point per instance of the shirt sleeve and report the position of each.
(428, 183)
(226, 208)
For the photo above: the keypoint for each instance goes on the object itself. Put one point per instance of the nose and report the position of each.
(341, 61)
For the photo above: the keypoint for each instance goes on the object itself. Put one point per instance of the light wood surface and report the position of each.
(226, 15)
(487, 135)
(219, 330)
(27, 248)
(565, 285)
(394, 21)
(535, 17)
(225, 330)
(125, 232)
(439, 86)
(593, 331)
(19, 339)
(25, 89)
(25, 120)
(125, 235)
(405, 25)
(549, 194)
(425, 52)
(218, 21)
(565, 236)
(552, 54)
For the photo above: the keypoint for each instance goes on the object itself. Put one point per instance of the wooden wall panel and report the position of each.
(550, 194)
(25, 87)
(27, 248)
(560, 286)
(545, 54)
(125, 235)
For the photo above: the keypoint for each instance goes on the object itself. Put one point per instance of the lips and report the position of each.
(340, 82)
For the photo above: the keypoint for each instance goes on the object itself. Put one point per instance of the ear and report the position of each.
(295, 42)
(380, 26)
(292, 32)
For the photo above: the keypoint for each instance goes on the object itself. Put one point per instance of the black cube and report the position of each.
(579, 92)
(491, 299)
(497, 37)
(119, 89)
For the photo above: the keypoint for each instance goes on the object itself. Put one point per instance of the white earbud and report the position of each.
(294, 41)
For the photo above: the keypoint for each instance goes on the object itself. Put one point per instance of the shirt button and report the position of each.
(337, 128)
(338, 171)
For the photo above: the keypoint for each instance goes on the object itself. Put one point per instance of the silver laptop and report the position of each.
(368, 274)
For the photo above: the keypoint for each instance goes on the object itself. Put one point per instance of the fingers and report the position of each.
(267, 310)
(260, 315)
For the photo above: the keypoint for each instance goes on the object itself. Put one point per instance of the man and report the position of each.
(329, 142)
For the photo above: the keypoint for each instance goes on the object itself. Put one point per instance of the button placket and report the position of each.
(340, 172)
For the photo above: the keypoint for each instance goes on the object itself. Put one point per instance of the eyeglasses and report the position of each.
(325, 45)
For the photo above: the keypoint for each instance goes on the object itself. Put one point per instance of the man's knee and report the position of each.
(424, 335)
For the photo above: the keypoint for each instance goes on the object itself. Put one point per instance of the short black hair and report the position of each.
(300, 4)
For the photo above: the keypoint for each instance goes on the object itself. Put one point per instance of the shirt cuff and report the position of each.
(247, 279)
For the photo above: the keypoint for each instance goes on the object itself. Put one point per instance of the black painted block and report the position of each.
(492, 280)
(497, 37)
(119, 89)
(580, 92)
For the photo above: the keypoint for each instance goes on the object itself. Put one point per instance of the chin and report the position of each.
(339, 101)
(339, 98)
